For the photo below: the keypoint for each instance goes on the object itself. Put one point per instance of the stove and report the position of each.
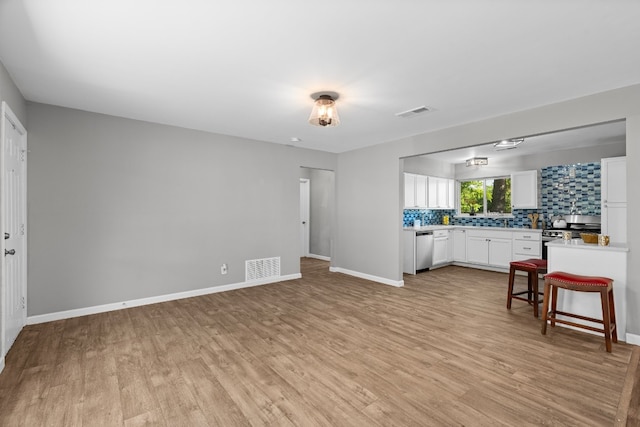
(576, 224)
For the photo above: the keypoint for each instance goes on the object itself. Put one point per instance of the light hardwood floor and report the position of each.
(327, 349)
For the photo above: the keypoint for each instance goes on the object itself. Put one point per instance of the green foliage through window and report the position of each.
(486, 196)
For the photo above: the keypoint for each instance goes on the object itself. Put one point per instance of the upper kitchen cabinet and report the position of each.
(427, 192)
(614, 198)
(614, 180)
(441, 193)
(524, 190)
(415, 191)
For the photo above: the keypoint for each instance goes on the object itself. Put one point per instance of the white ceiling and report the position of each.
(247, 67)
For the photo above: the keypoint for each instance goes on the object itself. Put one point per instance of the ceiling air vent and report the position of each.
(414, 112)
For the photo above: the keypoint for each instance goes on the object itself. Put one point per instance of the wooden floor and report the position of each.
(327, 349)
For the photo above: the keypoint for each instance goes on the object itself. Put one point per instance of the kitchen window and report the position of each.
(489, 196)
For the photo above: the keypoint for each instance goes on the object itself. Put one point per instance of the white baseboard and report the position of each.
(633, 339)
(50, 317)
(1, 364)
(322, 257)
(396, 283)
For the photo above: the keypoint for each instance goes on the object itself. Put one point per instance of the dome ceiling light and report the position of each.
(508, 144)
(324, 112)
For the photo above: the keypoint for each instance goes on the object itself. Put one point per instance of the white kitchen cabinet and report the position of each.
(440, 246)
(439, 195)
(614, 198)
(526, 245)
(460, 245)
(409, 190)
(614, 180)
(478, 250)
(450, 246)
(524, 190)
(614, 222)
(488, 247)
(421, 191)
(499, 252)
(415, 191)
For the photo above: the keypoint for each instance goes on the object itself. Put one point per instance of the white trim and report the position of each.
(384, 281)
(60, 315)
(633, 339)
(322, 257)
(1, 364)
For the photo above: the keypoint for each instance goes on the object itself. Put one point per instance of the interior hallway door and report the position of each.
(305, 200)
(14, 227)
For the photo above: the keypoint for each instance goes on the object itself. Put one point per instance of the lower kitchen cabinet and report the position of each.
(459, 245)
(526, 245)
(440, 246)
(450, 246)
(491, 248)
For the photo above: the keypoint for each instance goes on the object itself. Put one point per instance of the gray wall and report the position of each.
(12, 96)
(423, 165)
(122, 209)
(321, 215)
(371, 177)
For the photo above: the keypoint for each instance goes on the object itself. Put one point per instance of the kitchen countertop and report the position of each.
(579, 244)
(469, 227)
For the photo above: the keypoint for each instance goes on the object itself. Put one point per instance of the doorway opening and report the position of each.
(317, 190)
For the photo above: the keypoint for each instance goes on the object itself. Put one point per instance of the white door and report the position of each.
(304, 217)
(14, 227)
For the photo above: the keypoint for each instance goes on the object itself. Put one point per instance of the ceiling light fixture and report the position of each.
(508, 144)
(477, 161)
(324, 111)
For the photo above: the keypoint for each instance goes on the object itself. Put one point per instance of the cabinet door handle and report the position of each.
(528, 249)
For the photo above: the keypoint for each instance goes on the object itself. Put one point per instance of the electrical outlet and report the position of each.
(223, 269)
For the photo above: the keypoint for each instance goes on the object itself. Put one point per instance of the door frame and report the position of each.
(8, 113)
(305, 203)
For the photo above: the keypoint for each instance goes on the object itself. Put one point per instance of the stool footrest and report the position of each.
(553, 319)
(577, 316)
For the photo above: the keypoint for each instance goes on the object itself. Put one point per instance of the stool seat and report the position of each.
(533, 267)
(575, 282)
(530, 263)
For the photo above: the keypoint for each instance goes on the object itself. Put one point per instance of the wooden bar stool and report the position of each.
(573, 282)
(533, 267)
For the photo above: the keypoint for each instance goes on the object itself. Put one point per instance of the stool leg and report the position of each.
(554, 305)
(606, 318)
(512, 274)
(533, 280)
(545, 306)
(612, 315)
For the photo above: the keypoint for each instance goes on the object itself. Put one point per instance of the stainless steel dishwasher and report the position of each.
(424, 249)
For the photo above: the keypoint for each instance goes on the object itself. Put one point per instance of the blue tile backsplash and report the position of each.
(565, 189)
(571, 189)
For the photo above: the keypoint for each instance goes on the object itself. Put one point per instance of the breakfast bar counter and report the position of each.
(576, 257)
